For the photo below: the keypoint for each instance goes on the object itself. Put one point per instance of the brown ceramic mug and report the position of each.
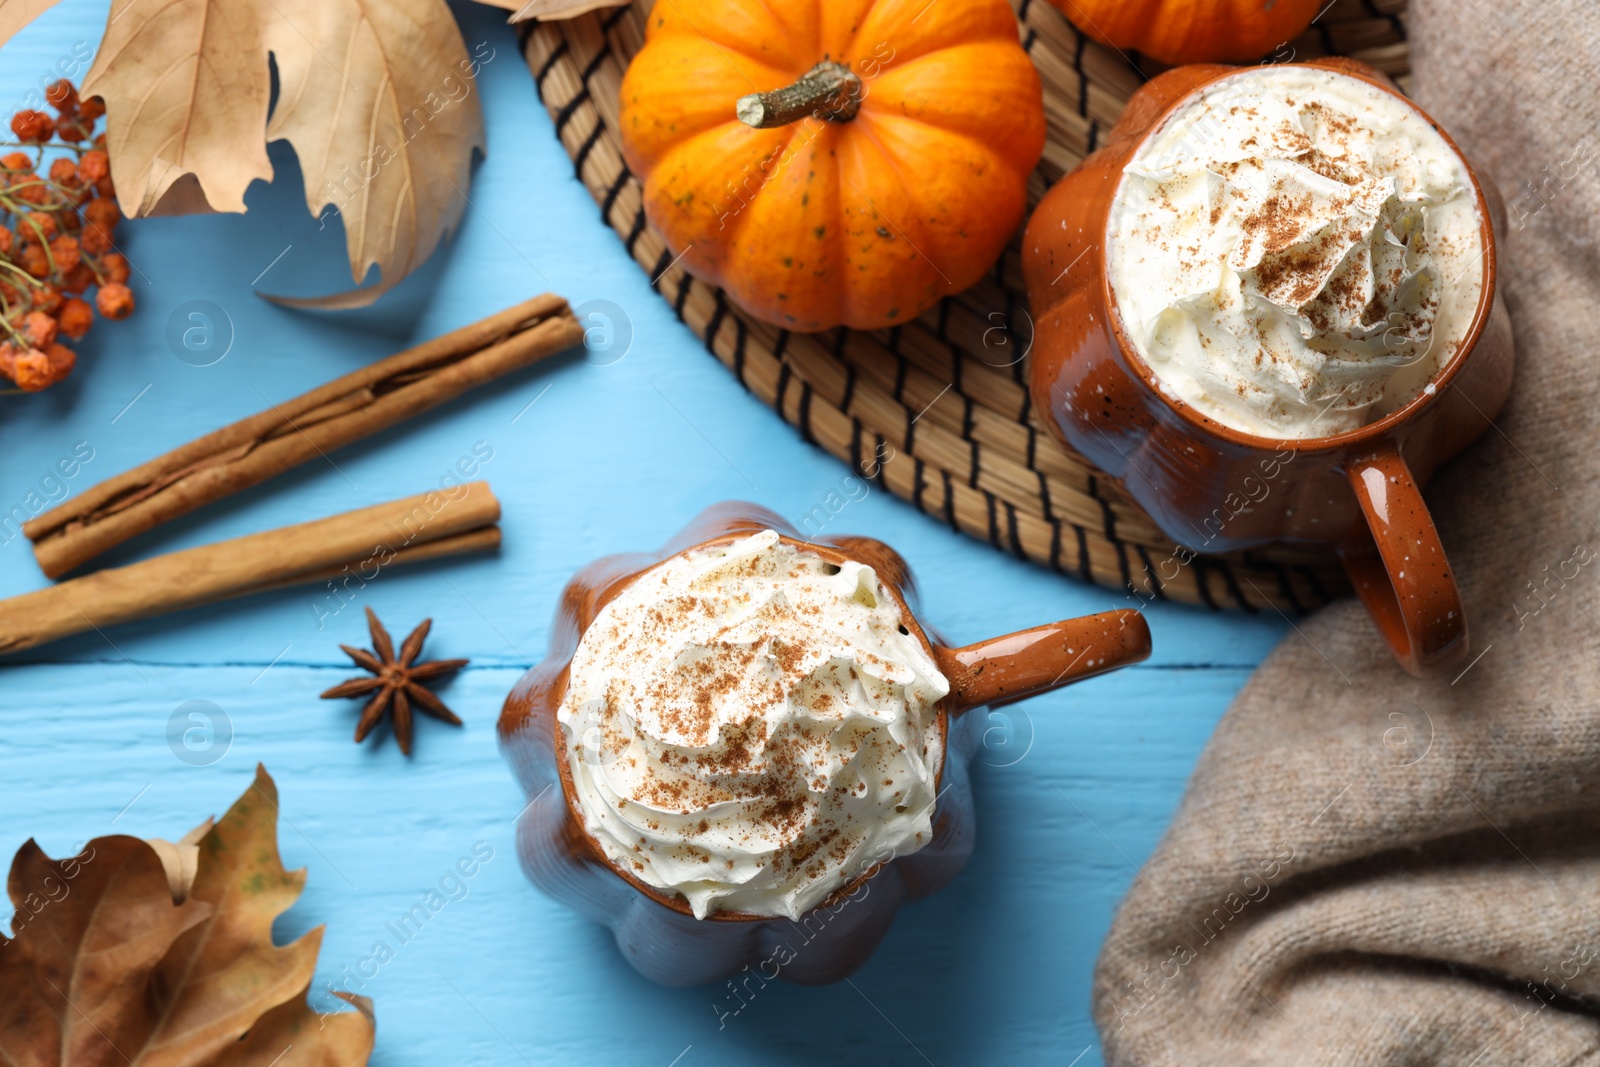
(1213, 488)
(657, 932)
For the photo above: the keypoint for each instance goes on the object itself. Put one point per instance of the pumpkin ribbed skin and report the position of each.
(1193, 31)
(864, 223)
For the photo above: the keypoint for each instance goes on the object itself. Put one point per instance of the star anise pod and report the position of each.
(396, 681)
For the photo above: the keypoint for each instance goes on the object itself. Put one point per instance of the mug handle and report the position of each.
(1003, 669)
(1399, 569)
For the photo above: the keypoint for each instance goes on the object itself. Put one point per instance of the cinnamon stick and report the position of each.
(441, 522)
(287, 434)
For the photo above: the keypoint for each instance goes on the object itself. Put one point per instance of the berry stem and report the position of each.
(40, 146)
(13, 206)
(5, 321)
(24, 275)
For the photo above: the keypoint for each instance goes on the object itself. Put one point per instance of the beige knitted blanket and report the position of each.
(1371, 869)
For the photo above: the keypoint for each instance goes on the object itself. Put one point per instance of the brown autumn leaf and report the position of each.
(181, 860)
(15, 14)
(523, 10)
(384, 132)
(186, 87)
(75, 978)
(105, 968)
(319, 1040)
(376, 97)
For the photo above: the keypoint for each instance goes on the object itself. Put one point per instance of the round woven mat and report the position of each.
(948, 393)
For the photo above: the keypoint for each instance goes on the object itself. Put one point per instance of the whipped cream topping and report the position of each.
(1295, 252)
(750, 726)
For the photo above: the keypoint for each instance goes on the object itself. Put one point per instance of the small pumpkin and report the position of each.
(834, 162)
(1193, 31)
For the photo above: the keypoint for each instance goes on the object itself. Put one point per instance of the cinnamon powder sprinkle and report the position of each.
(745, 718)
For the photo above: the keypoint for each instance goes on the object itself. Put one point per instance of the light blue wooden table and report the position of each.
(589, 457)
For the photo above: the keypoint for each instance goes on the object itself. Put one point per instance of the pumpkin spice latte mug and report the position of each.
(744, 751)
(1268, 306)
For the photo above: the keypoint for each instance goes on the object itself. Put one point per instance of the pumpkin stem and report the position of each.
(829, 91)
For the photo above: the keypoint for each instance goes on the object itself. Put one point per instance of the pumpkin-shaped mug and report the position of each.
(744, 751)
(1175, 448)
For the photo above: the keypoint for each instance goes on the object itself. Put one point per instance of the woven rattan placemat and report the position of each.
(946, 395)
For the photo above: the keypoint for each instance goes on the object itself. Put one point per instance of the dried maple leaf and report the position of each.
(376, 96)
(523, 10)
(186, 87)
(384, 130)
(15, 14)
(108, 967)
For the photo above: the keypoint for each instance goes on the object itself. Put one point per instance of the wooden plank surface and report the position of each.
(588, 457)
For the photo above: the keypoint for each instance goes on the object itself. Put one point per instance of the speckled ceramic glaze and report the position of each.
(1214, 489)
(657, 933)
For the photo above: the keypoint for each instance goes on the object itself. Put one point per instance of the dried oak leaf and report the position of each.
(377, 98)
(128, 954)
(181, 860)
(74, 980)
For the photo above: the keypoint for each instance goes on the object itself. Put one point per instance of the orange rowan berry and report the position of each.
(73, 129)
(75, 318)
(103, 213)
(63, 96)
(31, 371)
(32, 126)
(8, 241)
(10, 295)
(70, 221)
(64, 171)
(32, 190)
(91, 108)
(105, 188)
(35, 261)
(62, 360)
(38, 227)
(95, 241)
(64, 252)
(47, 298)
(16, 161)
(114, 265)
(114, 300)
(40, 329)
(78, 279)
(94, 165)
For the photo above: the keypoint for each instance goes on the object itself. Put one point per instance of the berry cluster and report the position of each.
(56, 230)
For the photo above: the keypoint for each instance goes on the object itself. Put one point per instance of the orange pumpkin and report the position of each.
(1193, 31)
(834, 162)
